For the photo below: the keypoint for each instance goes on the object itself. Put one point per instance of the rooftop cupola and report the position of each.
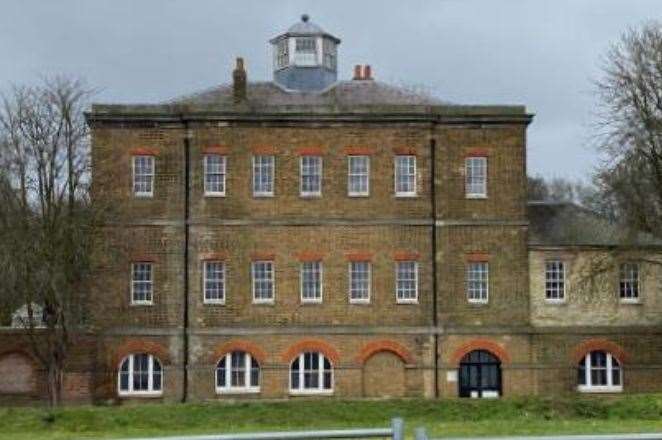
(305, 57)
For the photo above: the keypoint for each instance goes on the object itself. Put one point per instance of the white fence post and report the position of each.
(420, 434)
(398, 427)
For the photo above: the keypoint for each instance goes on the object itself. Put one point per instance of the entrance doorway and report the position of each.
(480, 375)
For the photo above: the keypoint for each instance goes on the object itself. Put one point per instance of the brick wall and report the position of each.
(592, 289)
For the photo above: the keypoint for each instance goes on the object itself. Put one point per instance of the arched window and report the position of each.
(480, 375)
(140, 374)
(311, 373)
(599, 371)
(238, 372)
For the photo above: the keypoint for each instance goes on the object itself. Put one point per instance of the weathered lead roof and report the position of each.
(341, 94)
(568, 224)
(304, 28)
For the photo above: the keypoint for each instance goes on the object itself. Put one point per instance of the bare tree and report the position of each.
(630, 128)
(46, 217)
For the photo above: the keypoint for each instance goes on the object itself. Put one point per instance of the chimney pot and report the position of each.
(357, 72)
(239, 81)
(367, 72)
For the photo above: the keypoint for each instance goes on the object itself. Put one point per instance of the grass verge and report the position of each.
(580, 415)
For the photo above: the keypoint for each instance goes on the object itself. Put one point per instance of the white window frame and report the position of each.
(272, 160)
(223, 283)
(272, 299)
(468, 280)
(149, 282)
(306, 56)
(610, 387)
(351, 193)
(302, 192)
(150, 380)
(398, 296)
(396, 175)
(134, 160)
(633, 299)
(320, 269)
(560, 293)
(320, 366)
(232, 389)
(366, 300)
(222, 173)
(470, 186)
(282, 53)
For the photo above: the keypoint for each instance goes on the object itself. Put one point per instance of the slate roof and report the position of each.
(568, 224)
(341, 94)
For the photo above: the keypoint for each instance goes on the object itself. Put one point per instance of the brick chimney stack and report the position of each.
(362, 72)
(367, 72)
(239, 82)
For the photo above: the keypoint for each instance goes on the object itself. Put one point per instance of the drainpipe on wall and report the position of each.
(435, 320)
(187, 198)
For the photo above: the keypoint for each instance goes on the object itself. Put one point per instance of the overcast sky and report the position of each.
(540, 53)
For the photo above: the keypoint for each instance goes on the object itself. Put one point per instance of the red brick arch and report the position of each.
(481, 344)
(15, 349)
(140, 346)
(594, 344)
(238, 345)
(311, 345)
(374, 347)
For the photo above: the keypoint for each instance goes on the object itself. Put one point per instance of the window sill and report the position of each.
(214, 195)
(600, 389)
(311, 301)
(476, 196)
(407, 302)
(209, 302)
(142, 303)
(478, 302)
(360, 302)
(263, 196)
(310, 195)
(231, 391)
(268, 302)
(141, 395)
(143, 195)
(358, 195)
(555, 302)
(406, 196)
(311, 392)
(631, 302)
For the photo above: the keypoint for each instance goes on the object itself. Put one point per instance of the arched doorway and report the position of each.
(480, 375)
(384, 375)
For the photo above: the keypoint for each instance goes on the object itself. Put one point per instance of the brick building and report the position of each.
(309, 236)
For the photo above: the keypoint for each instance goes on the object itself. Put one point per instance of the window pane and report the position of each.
(263, 175)
(554, 279)
(406, 280)
(405, 175)
(476, 176)
(311, 175)
(214, 283)
(214, 167)
(477, 281)
(142, 281)
(143, 174)
(311, 280)
(629, 281)
(255, 373)
(358, 176)
(359, 282)
(263, 280)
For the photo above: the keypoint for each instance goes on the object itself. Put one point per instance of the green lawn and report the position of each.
(441, 418)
